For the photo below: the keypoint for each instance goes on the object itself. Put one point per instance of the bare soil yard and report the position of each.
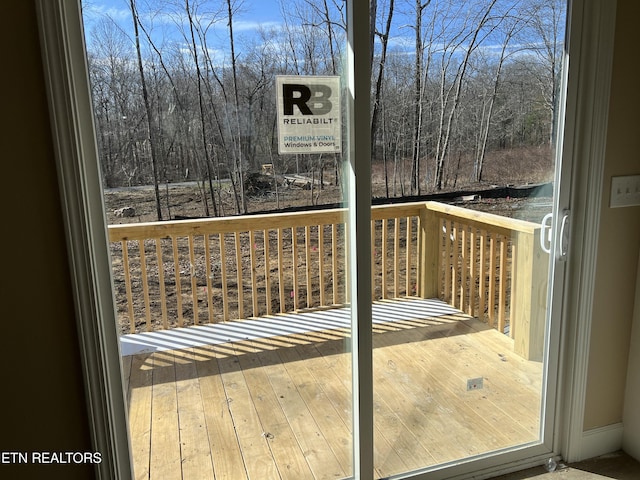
(185, 200)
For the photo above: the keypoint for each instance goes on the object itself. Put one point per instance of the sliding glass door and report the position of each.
(325, 232)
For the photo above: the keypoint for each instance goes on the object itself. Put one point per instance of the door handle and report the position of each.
(564, 235)
(545, 232)
(546, 236)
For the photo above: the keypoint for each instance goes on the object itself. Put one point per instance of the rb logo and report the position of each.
(310, 99)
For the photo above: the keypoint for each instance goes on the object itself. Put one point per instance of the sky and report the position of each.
(251, 15)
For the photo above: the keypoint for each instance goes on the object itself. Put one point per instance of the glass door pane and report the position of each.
(219, 128)
(464, 110)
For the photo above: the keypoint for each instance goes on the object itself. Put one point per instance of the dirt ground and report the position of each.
(186, 201)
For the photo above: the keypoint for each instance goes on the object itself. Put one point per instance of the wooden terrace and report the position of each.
(214, 391)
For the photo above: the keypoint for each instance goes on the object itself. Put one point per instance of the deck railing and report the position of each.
(191, 272)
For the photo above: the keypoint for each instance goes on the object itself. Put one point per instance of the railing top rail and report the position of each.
(482, 219)
(140, 231)
(146, 230)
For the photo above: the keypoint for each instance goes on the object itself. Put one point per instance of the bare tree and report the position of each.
(467, 40)
(147, 107)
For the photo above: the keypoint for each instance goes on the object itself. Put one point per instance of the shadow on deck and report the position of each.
(271, 397)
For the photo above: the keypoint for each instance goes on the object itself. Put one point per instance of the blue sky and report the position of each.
(251, 15)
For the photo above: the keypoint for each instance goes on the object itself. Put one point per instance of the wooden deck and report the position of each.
(271, 404)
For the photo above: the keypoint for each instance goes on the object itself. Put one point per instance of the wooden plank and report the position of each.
(140, 414)
(258, 398)
(126, 378)
(315, 447)
(166, 460)
(228, 463)
(256, 454)
(529, 284)
(194, 438)
(330, 423)
(441, 420)
(474, 218)
(330, 366)
(287, 455)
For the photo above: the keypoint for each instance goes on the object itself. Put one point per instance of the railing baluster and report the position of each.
(239, 275)
(482, 275)
(194, 279)
(409, 229)
(145, 285)
(307, 245)
(127, 283)
(472, 272)
(396, 258)
(208, 274)
(163, 295)
(464, 270)
(176, 271)
(334, 261)
(223, 274)
(294, 264)
(252, 256)
(455, 249)
(374, 252)
(448, 242)
(383, 263)
(281, 270)
(503, 284)
(321, 264)
(267, 272)
(492, 280)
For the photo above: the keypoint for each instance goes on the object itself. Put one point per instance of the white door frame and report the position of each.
(65, 67)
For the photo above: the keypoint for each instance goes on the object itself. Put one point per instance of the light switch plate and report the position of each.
(625, 191)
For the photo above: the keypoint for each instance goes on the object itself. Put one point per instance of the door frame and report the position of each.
(71, 118)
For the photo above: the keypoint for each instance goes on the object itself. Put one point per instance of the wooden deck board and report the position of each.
(166, 457)
(279, 407)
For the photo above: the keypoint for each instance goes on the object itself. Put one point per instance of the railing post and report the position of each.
(529, 295)
(428, 263)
